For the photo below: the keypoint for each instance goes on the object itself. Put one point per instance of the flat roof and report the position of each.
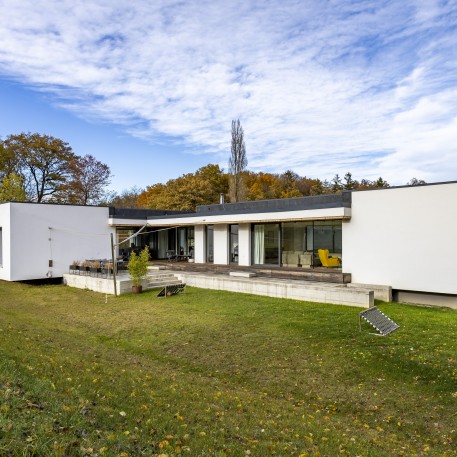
(341, 200)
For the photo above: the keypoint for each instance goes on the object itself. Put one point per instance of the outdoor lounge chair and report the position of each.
(327, 260)
(171, 255)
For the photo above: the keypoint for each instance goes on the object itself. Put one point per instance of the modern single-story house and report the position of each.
(40, 240)
(402, 237)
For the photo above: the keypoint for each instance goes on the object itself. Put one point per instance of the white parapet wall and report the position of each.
(315, 292)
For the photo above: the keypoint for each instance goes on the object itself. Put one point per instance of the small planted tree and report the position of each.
(138, 268)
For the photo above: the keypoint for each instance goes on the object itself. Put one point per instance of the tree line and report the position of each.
(41, 168)
(205, 186)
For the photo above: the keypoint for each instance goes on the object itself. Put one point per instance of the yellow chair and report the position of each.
(326, 260)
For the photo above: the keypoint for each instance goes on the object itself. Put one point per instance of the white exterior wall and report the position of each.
(244, 245)
(221, 244)
(200, 244)
(5, 264)
(404, 238)
(77, 233)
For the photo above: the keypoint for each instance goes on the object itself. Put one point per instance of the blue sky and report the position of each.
(321, 87)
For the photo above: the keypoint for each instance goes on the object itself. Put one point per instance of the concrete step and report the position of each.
(166, 282)
(161, 279)
(160, 272)
(160, 276)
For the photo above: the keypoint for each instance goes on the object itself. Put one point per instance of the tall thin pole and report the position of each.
(114, 264)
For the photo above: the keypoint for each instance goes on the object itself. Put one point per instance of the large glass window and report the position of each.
(159, 240)
(162, 244)
(297, 244)
(190, 241)
(233, 243)
(186, 239)
(126, 245)
(265, 244)
(327, 235)
(209, 244)
(121, 236)
(182, 241)
(297, 236)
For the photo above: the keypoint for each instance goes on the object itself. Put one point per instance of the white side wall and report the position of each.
(200, 244)
(221, 244)
(61, 233)
(244, 244)
(5, 265)
(404, 238)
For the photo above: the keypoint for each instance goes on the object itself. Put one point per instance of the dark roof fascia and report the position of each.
(342, 200)
(140, 213)
(282, 204)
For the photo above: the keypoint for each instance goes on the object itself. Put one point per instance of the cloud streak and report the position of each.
(369, 84)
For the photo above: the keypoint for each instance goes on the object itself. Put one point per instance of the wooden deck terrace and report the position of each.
(321, 274)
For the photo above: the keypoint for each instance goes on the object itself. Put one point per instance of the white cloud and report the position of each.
(320, 87)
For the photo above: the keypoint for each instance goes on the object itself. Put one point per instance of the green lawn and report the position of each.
(211, 373)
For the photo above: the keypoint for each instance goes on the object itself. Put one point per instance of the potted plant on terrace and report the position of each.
(95, 267)
(107, 268)
(138, 268)
(85, 267)
(74, 266)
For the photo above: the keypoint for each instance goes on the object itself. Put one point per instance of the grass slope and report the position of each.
(211, 373)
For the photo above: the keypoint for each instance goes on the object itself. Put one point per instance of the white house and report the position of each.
(402, 237)
(40, 241)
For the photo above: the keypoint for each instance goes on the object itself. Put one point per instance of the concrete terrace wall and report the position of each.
(102, 285)
(61, 233)
(404, 238)
(305, 291)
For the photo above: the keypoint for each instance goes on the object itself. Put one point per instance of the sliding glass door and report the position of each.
(265, 244)
(185, 241)
(233, 243)
(294, 244)
(209, 244)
